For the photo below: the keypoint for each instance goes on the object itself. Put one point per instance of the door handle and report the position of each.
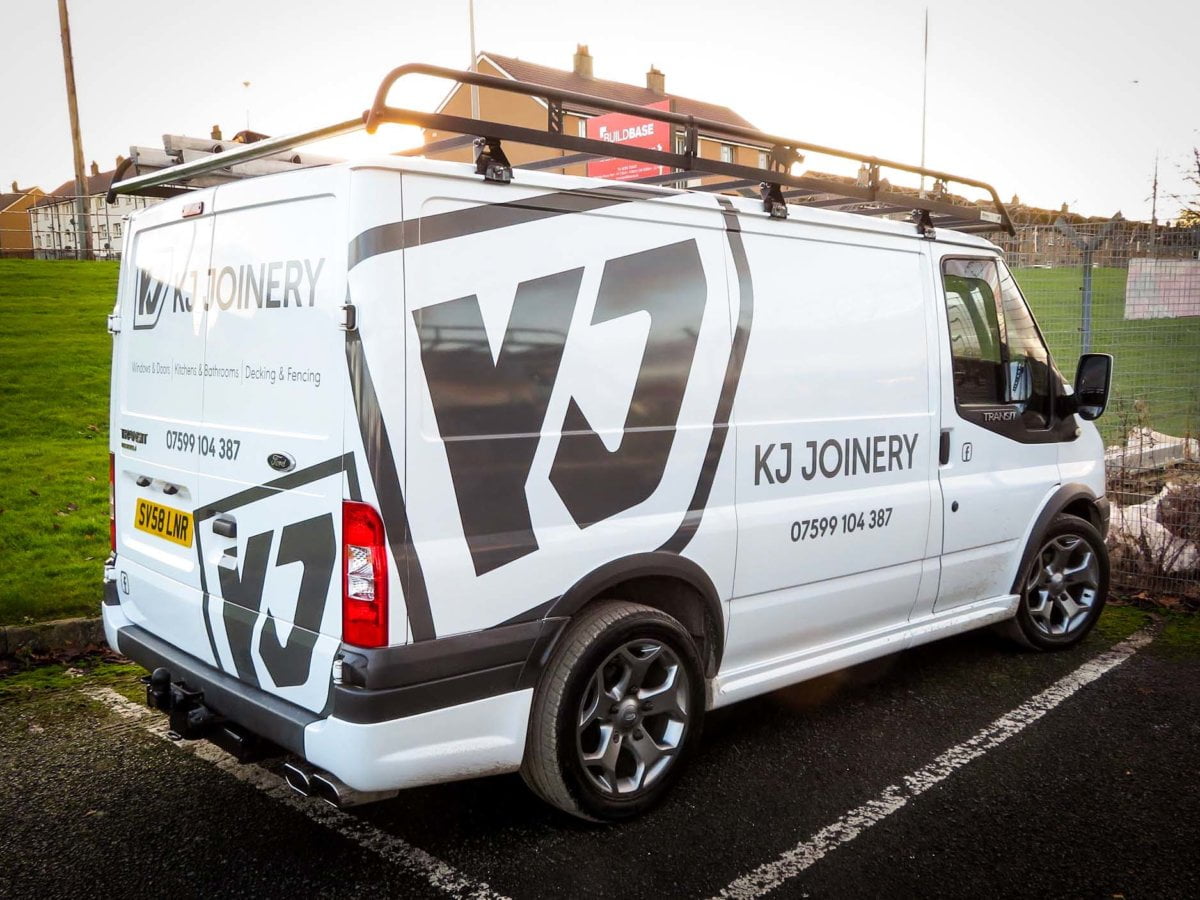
(944, 448)
(225, 526)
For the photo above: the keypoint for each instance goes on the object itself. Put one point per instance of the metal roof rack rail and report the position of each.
(775, 184)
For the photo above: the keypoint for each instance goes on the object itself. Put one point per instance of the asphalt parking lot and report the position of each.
(960, 768)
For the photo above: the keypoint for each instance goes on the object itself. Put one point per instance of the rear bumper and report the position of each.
(276, 720)
(464, 740)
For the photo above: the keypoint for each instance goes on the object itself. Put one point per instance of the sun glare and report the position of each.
(388, 139)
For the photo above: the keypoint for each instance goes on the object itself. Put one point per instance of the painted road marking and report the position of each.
(398, 852)
(771, 875)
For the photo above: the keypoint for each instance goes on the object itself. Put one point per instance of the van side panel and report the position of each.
(568, 353)
(836, 442)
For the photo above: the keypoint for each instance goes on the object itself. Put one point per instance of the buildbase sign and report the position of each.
(620, 128)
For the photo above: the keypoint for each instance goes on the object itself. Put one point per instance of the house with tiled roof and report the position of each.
(532, 112)
(16, 238)
(55, 231)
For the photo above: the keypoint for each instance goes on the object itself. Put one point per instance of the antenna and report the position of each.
(924, 95)
(474, 88)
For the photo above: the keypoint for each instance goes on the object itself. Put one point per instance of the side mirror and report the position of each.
(1093, 379)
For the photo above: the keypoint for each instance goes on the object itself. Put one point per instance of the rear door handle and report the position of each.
(944, 448)
(225, 526)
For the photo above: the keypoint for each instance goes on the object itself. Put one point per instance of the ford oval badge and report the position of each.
(281, 462)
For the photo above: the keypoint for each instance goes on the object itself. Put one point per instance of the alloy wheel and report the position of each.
(633, 717)
(1063, 585)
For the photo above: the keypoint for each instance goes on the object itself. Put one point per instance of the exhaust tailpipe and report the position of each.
(336, 792)
(298, 779)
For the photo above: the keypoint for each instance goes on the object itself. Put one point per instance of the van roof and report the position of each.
(833, 218)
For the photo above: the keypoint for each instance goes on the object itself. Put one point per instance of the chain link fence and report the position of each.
(1133, 291)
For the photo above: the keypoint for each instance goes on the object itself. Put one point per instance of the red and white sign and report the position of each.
(632, 131)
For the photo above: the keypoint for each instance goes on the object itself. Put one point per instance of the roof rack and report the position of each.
(775, 184)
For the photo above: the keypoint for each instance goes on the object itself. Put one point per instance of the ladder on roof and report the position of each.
(776, 184)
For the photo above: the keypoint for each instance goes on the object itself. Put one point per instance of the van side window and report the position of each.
(1027, 355)
(976, 337)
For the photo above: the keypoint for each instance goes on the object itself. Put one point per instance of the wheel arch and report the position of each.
(660, 580)
(1074, 499)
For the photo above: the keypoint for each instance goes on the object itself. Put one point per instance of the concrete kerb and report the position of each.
(50, 637)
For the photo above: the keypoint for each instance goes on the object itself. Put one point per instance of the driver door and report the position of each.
(999, 440)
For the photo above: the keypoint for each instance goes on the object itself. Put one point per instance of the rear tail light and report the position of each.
(112, 502)
(364, 577)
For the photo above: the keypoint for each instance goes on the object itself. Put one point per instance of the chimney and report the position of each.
(583, 61)
(120, 159)
(16, 190)
(216, 133)
(95, 168)
(656, 81)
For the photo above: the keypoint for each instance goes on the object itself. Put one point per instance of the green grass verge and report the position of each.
(1119, 622)
(54, 361)
(1157, 361)
(1181, 636)
(58, 676)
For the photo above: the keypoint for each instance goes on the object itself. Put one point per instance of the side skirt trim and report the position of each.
(751, 681)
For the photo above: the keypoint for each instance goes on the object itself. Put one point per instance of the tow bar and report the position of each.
(191, 720)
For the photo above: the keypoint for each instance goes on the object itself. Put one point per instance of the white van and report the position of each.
(422, 474)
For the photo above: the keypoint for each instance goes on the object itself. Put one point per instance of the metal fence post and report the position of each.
(1086, 339)
(1088, 246)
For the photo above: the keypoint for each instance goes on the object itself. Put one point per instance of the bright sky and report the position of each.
(1055, 100)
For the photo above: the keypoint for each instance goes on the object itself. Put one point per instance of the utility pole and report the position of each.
(83, 242)
(474, 68)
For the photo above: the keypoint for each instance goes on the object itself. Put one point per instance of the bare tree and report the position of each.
(1190, 213)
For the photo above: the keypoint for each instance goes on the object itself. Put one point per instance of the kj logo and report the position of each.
(279, 284)
(490, 448)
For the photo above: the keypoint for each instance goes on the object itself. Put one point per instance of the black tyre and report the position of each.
(1063, 588)
(618, 711)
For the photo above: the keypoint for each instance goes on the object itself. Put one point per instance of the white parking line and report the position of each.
(392, 849)
(771, 875)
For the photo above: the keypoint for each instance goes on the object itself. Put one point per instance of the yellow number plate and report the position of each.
(174, 525)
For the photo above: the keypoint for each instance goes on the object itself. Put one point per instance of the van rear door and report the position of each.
(269, 451)
(157, 405)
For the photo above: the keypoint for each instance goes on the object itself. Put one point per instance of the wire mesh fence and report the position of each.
(1132, 291)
